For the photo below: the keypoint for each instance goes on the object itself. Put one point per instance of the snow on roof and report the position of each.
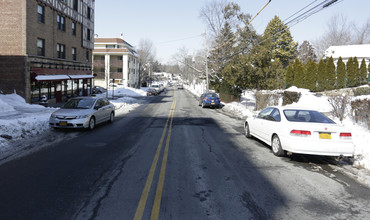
(62, 77)
(52, 77)
(346, 51)
(81, 76)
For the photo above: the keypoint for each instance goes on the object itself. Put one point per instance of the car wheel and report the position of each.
(276, 146)
(247, 131)
(91, 123)
(111, 118)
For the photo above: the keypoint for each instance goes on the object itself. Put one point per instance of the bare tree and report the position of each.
(213, 16)
(146, 53)
(362, 34)
(341, 32)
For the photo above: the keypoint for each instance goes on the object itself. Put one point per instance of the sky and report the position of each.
(174, 24)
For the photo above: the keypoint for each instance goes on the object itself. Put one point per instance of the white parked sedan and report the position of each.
(295, 130)
(82, 112)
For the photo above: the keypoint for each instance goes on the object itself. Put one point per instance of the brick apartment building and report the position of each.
(114, 58)
(46, 48)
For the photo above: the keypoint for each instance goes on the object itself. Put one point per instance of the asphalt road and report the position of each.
(170, 159)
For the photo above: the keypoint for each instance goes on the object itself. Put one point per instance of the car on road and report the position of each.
(83, 112)
(151, 92)
(156, 87)
(299, 130)
(98, 90)
(209, 100)
(180, 86)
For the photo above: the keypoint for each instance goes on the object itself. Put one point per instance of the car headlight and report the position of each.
(52, 115)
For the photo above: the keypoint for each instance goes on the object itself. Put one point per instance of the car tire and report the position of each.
(247, 131)
(91, 123)
(111, 118)
(276, 146)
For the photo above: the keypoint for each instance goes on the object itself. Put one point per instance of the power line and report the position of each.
(237, 33)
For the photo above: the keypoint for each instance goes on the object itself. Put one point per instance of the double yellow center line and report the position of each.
(158, 195)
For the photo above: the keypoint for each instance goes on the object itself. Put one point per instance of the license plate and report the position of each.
(323, 135)
(63, 123)
(212, 103)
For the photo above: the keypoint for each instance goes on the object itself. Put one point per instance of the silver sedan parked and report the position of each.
(82, 112)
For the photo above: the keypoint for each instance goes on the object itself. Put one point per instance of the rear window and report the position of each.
(213, 95)
(306, 116)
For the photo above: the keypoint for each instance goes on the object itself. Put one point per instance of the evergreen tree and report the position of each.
(281, 41)
(269, 73)
(321, 73)
(299, 77)
(289, 76)
(356, 68)
(341, 74)
(306, 53)
(330, 74)
(363, 73)
(352, 69)
(311, 75)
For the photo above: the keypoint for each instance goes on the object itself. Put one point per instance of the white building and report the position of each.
(114, 58)
(360, 51)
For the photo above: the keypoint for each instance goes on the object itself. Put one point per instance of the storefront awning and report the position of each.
(62, 77)
(51, 77)
(81, 76)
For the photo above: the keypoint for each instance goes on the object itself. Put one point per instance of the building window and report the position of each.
(102, 58)
(110, 46)
(40, 47)
(119, 58)
(89, 13)
(61, 23)
(41, 13)
(61, 51)
(75, 5)
(73, 28)
(119, 70)
(88, 35)
(87, 56)
(74, 53)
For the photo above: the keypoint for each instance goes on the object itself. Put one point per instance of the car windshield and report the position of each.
(156, 86)
(79, 104)
(306, 116)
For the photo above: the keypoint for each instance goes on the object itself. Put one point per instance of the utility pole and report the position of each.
(107, 71)
(207, 85)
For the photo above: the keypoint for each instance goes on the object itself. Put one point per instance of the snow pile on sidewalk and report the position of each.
(20, 120)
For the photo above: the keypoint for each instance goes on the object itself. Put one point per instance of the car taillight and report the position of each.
(346, 135)
(300, 133)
